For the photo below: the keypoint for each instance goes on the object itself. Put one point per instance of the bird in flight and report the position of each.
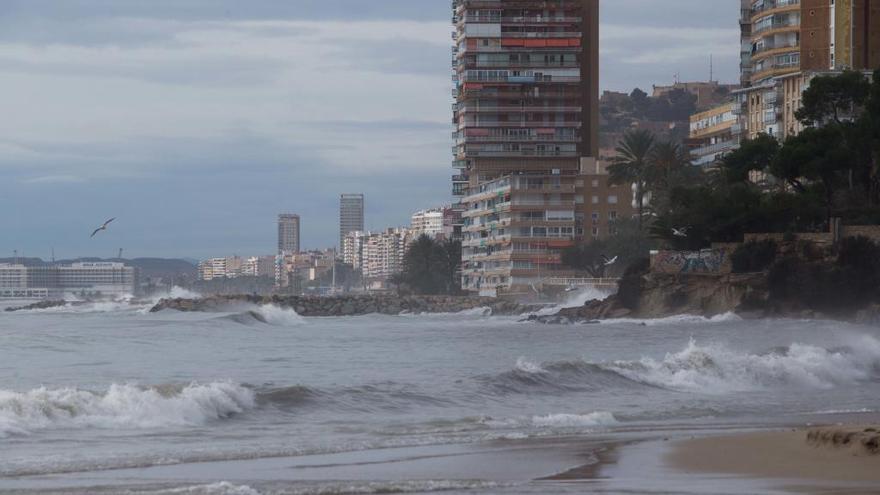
(682, 232)
(102, 227)
(609, 261)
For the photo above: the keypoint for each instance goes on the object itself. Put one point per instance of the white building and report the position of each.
(108, 279)
(383, 253)
(353, 248)
(427, 222)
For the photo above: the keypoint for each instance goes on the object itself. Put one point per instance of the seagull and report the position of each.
(102, 227)
(609, 262)
(682, 232)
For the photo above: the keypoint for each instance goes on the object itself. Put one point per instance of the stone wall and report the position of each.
(705, 262)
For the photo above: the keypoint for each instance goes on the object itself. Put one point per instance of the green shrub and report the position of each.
(754, 256)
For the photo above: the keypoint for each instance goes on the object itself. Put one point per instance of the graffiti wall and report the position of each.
(706, 262)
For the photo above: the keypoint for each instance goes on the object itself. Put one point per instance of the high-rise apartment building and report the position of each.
(288, 233)
(787, 42)
(351, 215)
(526, 127)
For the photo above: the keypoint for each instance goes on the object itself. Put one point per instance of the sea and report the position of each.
(111, 398)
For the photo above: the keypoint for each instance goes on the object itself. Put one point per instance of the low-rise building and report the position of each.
(384, 252)
(714, 133)
(81, 279)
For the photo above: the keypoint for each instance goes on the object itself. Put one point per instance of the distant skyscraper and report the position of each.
(351, 215)
(288, 233)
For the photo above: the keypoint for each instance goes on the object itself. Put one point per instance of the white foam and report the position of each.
(577, 299)
(600, 418)
(526, 366)
(713, 368)
(678, 319)
(120, 407)
(282, 317)
(221, 488)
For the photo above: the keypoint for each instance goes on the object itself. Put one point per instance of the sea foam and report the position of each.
(714, 368)
(121, 407)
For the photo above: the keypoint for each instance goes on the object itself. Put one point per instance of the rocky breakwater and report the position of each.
(354, 305)
(651, 295)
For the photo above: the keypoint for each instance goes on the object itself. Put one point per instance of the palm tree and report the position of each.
(632, 165)
(670, 166)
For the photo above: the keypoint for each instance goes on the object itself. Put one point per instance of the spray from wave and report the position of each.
(578, 299)
(120, 407)
(714, 368)
(267, 315)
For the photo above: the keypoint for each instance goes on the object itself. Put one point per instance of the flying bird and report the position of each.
(102, 227)
(609, 262)
(682, 232)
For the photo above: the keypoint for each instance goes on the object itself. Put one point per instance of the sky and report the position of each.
(195, 122)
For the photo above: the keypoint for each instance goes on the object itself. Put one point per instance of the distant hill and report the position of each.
(150, 267)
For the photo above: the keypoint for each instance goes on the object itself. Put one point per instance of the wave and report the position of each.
(268, 315)
(578, 299)
(336, 488)
(600, 418)
(678, 319)
(714, 368)
(707, 368)
(121, 407)
(221, 488)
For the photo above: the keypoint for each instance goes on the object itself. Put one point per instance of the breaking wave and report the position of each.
(121, 406)
(709, 368)
(678, 319)
(268, 315)
(715, 368)
(577, 299)
(335, 488)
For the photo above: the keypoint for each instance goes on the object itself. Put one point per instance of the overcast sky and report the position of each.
(196, 121)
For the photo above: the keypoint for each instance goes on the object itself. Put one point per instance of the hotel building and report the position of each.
(83, 279)
(526, 127)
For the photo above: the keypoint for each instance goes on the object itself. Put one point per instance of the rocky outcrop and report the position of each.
(354, 305)
(38, 305)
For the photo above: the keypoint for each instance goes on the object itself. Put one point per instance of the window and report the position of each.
(595, 182)
(612, 200)
(595, 200)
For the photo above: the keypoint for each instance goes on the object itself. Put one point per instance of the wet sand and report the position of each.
(791, 455)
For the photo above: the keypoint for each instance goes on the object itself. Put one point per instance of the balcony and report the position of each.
(524, 125)
(545, 138)
(777, 24)
(770, 5)
(520, 153)
(506, 78)
(466, 108)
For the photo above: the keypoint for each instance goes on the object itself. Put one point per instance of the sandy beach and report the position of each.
(840, 453)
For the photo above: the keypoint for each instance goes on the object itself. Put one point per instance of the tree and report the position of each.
(819, 155)
(670, 167)
(833, 98)
(631, 165)
(753, 155)
(431, 267)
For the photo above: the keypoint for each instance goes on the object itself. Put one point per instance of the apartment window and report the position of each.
(595, 231)
(612, 200)
(595, 219)
(595, 182)
(612, 216)
(595, 200)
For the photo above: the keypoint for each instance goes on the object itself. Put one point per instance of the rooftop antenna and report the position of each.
(53, 255)
(120, 255)
(711, 67)
(15, 257)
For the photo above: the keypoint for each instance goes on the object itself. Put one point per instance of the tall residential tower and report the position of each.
(351, 215)
(526, 133)
(288, 233)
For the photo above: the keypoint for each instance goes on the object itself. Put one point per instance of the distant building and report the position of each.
(353, 248)
(383, 254)
(295, 269)
(258, 266)
(427, 222)
(82, 279)
(714, 133)
(288, 233)
(351, 215)
(792, 41)
(708, 93)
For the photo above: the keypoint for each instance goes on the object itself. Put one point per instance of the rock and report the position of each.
(38, 305)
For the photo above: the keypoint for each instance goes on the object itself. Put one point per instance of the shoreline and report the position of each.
(791, 454)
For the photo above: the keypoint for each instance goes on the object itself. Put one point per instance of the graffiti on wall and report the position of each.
(708, 261)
